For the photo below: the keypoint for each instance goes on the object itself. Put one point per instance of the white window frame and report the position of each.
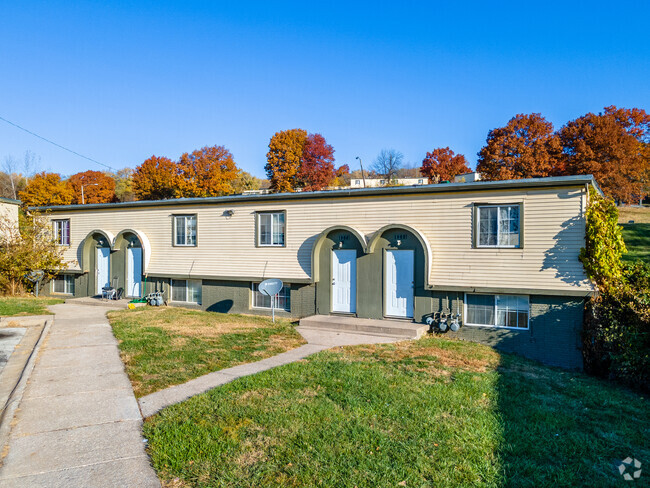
(495, 295)
(59, 236)
(68, 285)
(478, 225)
(285, 292)
(199, 283)
(185, 218)
(273, 216)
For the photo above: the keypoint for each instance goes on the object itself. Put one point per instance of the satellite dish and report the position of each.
(35, 277)
(270, 287)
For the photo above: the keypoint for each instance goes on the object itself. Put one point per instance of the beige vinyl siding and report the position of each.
(553, 235)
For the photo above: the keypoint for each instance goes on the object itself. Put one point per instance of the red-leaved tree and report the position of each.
(98, 187)
(155, 179)
(442, 164)
(527, 147)
(316, 171)
(614, 146)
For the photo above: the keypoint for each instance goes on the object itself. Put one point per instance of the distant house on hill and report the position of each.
(8, 214)
(377, 182)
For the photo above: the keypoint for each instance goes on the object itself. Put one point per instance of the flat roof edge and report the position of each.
(576, 180)
(10, 201)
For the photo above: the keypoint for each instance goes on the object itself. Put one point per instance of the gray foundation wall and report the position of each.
(237, 297)
(553, 336)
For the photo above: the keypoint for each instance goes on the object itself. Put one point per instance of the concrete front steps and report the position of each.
(354, 325)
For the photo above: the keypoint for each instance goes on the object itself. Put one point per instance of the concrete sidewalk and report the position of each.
(78, 424)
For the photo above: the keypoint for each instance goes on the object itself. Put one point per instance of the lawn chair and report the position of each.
(108, 293)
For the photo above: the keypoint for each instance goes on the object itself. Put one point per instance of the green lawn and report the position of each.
(434, 413)
(164, 346)
(637, 241)
(16, 306)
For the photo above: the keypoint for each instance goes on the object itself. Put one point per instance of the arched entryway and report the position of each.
(400, 261)
(334, 267)
(95, 260)
(129, 262)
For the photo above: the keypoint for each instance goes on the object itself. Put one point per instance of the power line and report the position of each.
(55, 144)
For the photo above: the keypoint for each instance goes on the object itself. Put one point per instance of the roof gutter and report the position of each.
(479, 186)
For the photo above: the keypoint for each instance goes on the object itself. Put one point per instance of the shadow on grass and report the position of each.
(562, 428)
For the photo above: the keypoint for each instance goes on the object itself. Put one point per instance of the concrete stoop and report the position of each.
(341, 323)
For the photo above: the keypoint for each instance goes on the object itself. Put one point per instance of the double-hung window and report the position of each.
(63, 284)
(185, 230)
(498, 226)
(282, 299)
(510, 311)
(62, 232)
(188, 291)
(271, 229)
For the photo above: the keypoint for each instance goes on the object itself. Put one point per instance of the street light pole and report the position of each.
(362, 177)
(82, 191)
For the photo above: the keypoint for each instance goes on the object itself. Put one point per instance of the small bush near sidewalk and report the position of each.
(165, 346)
(428, 413)
(15, 306)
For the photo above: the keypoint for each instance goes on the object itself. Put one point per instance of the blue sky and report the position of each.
(119, 81)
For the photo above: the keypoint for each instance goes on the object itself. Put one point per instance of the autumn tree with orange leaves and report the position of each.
(614, 146)
(98, 187)
(316, 171)
(442, 164)
(155, 179)
(44, 189)
(206, 172)
(284, 158)
(527, 147)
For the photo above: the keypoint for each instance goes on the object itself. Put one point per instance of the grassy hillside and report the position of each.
(640, 215)
(636, 235)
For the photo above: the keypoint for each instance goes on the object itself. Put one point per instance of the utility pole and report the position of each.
(82, 191)
(362, 176)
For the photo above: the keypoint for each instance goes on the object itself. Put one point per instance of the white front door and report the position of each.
(103, 268)
(134, 271)
(344, 281)
(399, 283)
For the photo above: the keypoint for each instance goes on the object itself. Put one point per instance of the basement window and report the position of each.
(282, 299)
(63, 284)
(188, 291)
(508, 311)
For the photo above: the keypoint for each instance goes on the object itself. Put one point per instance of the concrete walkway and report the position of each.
(78, 423)
(317, 340)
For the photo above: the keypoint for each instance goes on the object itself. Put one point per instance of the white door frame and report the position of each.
(402, 306)
(133, 272)
(337, 306)
(103, 254)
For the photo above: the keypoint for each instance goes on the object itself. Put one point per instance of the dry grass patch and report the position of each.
(165, 346)
(640, 215)
(427, 354)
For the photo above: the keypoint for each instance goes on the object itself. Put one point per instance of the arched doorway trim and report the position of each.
(315, 268)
